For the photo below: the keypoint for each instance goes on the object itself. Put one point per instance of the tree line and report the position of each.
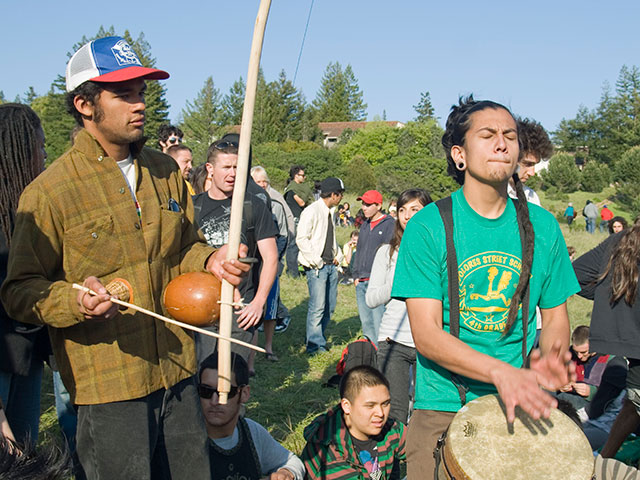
(601, 146)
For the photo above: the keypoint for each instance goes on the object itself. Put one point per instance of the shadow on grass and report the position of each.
(287, 395)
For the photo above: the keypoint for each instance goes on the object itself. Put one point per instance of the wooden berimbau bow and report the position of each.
(237, 201)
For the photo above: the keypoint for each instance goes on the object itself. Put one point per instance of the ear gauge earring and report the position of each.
(461, 165)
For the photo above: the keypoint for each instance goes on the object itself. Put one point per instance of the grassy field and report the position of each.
(287, 395)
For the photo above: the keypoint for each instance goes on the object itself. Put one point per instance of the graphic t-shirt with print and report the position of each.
(489, 256)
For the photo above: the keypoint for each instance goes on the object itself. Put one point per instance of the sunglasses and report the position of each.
(174, 140)
(225, 144)
(207, 392)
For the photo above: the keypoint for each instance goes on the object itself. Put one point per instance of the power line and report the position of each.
(302, 45)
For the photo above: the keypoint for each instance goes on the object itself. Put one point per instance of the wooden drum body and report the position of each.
(481, 446)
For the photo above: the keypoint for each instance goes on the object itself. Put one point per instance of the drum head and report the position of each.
(480, 446)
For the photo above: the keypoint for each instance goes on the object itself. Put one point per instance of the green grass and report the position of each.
(287, 395)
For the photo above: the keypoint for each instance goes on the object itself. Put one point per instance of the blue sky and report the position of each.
(543, 59)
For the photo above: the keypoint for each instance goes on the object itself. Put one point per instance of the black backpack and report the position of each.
(360, 352)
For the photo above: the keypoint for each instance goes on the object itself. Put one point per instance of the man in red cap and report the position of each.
(110, 207)
(375, 231)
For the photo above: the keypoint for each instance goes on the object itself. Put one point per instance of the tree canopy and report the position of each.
(339, 98)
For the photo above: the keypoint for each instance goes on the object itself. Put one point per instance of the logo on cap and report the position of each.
(124, 54)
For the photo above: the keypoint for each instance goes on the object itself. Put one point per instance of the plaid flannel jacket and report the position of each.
(78, 219)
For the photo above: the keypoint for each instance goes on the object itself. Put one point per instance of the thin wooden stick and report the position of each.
(237, 201)
(170, 320)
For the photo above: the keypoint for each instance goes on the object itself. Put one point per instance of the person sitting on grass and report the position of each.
(238, 446)
(589, 369)
(356, 438)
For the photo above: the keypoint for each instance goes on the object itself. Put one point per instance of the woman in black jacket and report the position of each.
(608, 275)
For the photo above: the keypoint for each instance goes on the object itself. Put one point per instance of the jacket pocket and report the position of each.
(92, 248)
(171, 224)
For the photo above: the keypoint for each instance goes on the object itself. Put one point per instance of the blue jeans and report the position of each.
(67, 415)
(591, 224)
(323, 295)
(21, 399)
(369, 317)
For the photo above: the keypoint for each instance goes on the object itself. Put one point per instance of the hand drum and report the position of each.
(193, 298)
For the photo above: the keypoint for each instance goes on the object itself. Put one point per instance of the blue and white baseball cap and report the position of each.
(109, 59)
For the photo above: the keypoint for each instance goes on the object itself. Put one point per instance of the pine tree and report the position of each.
(2, 99)
(29, 96)
(201, 120)
(339, 98)
(232, 104)
(424, 108)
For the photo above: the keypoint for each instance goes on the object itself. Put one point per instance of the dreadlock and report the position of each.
(623, 266)
(527, 235)
(458, 123)
(19, 127)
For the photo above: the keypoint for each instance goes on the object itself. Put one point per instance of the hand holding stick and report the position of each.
(169, 320)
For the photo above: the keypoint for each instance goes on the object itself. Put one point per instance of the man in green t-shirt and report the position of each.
(494, 267)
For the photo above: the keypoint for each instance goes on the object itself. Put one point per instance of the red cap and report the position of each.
(371, 196)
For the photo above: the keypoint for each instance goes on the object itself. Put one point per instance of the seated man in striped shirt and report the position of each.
(356, 438)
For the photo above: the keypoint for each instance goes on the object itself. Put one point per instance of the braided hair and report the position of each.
(19, 162)
(458, 124)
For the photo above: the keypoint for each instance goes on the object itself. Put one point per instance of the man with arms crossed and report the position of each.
(495, 268)
(109, 208)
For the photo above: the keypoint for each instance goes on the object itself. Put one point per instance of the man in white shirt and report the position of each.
(320, 256)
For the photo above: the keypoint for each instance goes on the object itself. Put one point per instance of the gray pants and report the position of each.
(395, 361)
(160, 436)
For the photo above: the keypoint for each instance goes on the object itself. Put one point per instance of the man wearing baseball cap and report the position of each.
(375, 231)
(111, 208)
(319, 255)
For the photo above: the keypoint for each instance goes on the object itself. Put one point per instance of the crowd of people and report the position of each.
(460, 298)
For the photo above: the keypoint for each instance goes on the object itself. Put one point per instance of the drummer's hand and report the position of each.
(566, 388)
(519, 387)
(232, 271)
(250, 315)
(555, 369)
(96, 307)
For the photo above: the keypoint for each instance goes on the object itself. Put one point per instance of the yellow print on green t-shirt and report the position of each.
(487, 283)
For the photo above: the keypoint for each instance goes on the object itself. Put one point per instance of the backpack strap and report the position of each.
(446, 212)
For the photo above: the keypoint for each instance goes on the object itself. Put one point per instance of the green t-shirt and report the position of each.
(489, 262)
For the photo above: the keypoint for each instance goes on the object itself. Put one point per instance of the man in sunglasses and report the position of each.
(258, 232)
(238, 446)
(169, 135)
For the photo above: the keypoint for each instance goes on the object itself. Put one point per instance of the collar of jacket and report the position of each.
(89, 146)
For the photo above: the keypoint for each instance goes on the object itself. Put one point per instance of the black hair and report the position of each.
(533, 139)
(458, 124)
(358, 377)
(620, 220)
(19, 127)
(177, 148)
(198, 177)
(90, 91)
(238, 365)
(18, 461)
(405, 197)
(293, 171)
(165, 131)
